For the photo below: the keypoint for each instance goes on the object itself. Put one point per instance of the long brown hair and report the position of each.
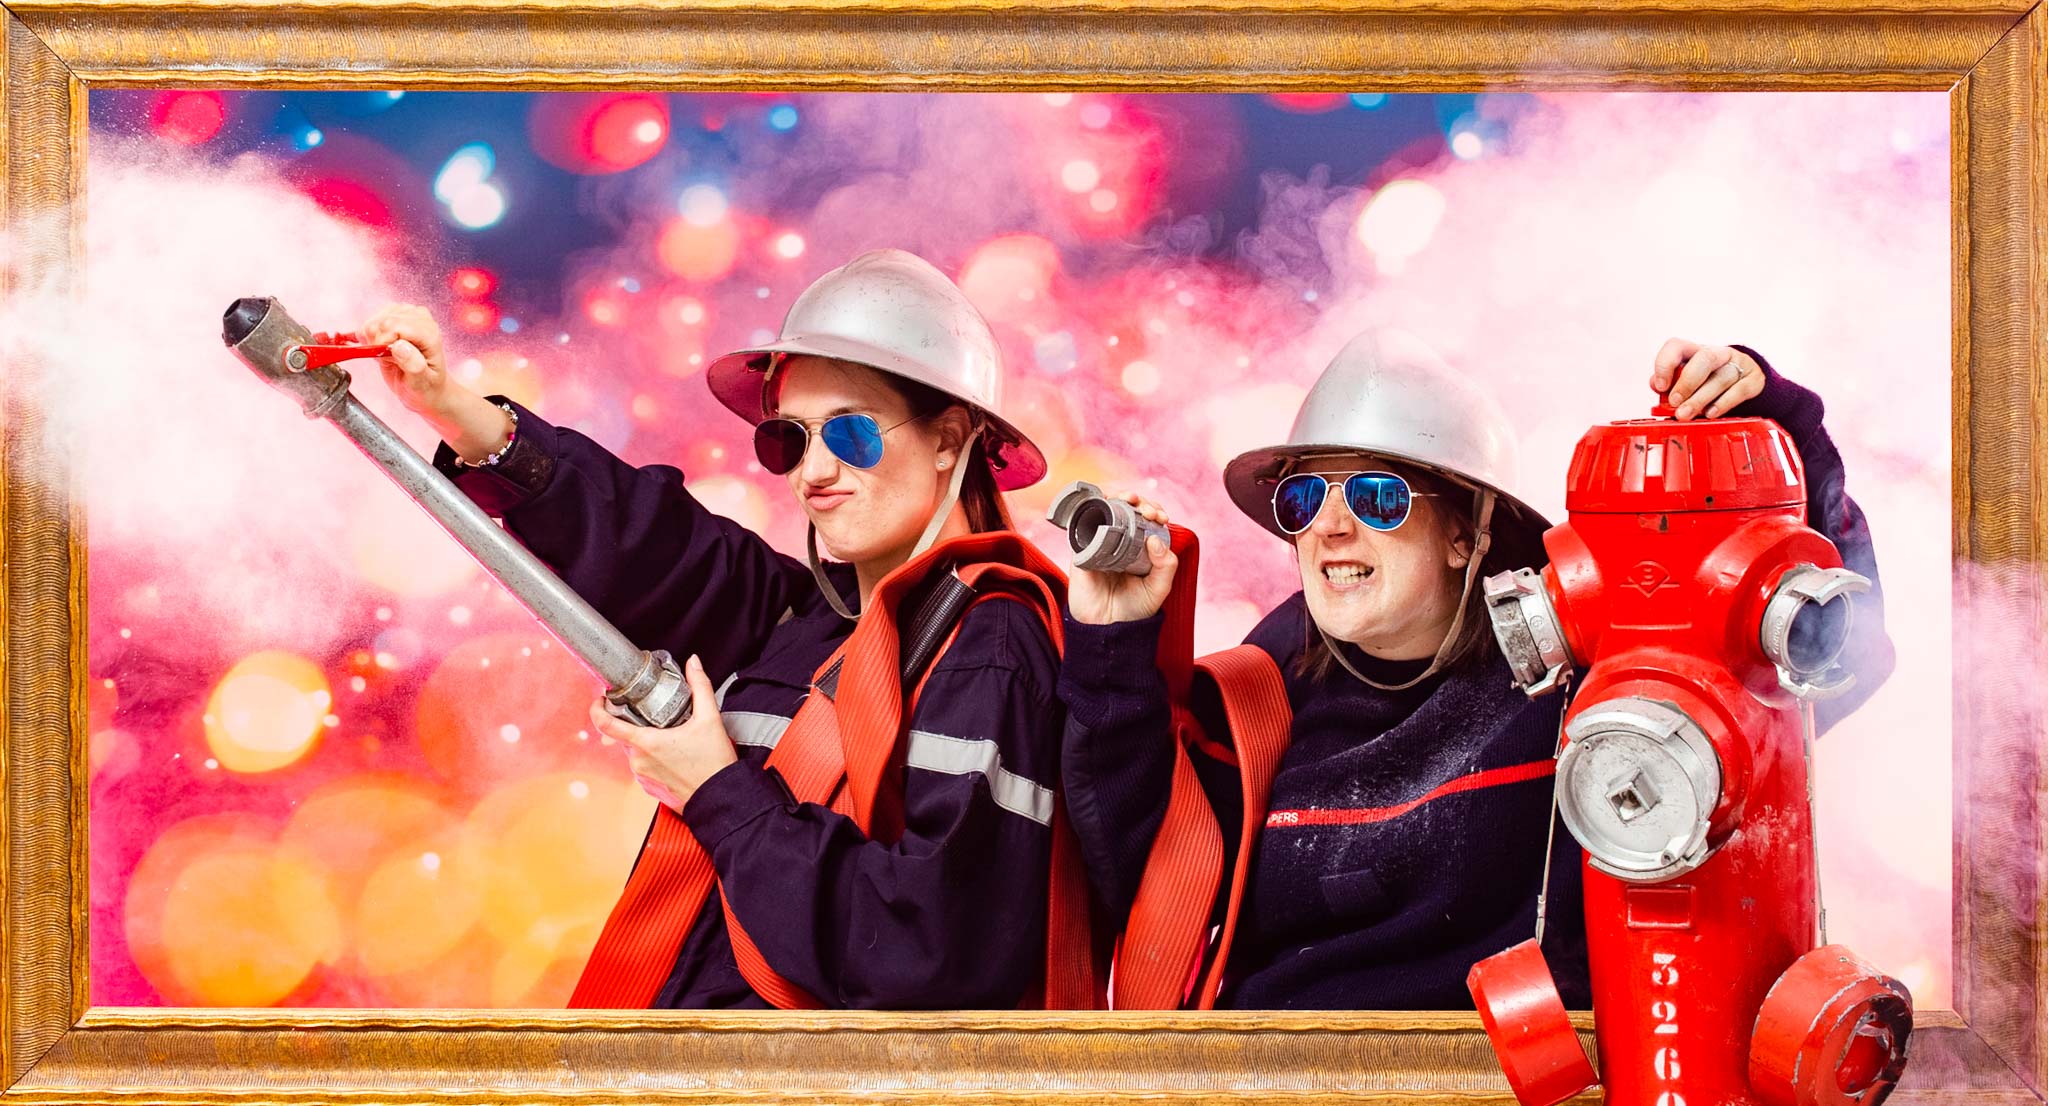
(1516, 543)
(983, 501)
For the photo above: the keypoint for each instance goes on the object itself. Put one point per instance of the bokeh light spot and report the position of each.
(479, 207)
(246, 925)
(1005, 277)
(416, 907)
(465, 169)
(1399, 220)
(598, 132)
(586, 845)
(265, 713)
(472, 283)
(625, 131)
(353, 824)
(352, 199)
(697, 251)
(463, 710)
(1140, 378)
(702, 204)
(476, 317)
(687, 310)
(1080, 175)
(1306, 103)
(604, 307)
(187, 118)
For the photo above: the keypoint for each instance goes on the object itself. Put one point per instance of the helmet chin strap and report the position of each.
(952, 496)
(1482, 540)
(818, 573)
(924, 540)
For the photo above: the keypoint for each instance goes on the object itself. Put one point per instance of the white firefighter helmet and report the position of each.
(1387, 394)
(893, 311)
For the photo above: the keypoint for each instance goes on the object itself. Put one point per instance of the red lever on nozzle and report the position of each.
(328, 349)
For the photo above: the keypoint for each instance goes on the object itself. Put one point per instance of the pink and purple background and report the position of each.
(333, 765)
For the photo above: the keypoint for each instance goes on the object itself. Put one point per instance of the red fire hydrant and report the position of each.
(1702, 618)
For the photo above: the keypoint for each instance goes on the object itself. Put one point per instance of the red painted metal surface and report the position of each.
(1832, 1032)
(1526, 1020)
(1677, 537)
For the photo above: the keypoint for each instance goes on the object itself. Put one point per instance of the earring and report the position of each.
(942, 464)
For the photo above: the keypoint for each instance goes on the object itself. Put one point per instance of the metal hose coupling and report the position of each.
(1805, 626)
(1107, 535)
(1637, 785)
(1526, 625)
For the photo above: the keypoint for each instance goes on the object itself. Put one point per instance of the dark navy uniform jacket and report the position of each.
(1406, 829)
(950, 916)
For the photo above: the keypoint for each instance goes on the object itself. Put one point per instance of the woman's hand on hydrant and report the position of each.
(1707, 381)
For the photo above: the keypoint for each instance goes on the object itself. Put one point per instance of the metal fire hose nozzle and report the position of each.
(1107, 535)
(264, 337)
(1805, 626)
(1637, 786)
(643, 687)
(1527, 627)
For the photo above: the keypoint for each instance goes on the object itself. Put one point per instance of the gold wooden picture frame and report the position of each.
(1990, 55)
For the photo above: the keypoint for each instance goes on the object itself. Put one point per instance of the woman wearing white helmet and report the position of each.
(879, 405)
(1403, 835)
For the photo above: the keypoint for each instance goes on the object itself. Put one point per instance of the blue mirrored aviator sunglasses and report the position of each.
(1378, 500)
(779, 444)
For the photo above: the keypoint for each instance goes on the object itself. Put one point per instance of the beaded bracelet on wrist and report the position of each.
(494, 458)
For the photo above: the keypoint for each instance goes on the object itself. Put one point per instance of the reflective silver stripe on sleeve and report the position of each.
(956, 756)
(749, 728)
(933, 752)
